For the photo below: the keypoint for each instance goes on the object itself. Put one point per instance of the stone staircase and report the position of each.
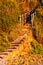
(13, 46)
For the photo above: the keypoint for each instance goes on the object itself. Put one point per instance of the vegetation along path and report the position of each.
(18, 53)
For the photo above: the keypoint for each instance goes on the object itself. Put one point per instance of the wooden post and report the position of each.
(25, 18)
(20, 20)
(32, 19)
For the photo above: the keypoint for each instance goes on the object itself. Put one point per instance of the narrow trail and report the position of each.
(8, 57)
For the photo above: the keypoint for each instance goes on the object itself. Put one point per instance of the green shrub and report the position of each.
(3, 46)
(37, 48)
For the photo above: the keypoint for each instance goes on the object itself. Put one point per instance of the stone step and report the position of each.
(16, 42)
(22, 40)
(4, 54)
(12, 48)
(1, 57)
(15, 45)
(7, 52)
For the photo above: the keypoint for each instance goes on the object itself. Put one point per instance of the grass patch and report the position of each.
(4, 43)
(3, 46)
(37, 48)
